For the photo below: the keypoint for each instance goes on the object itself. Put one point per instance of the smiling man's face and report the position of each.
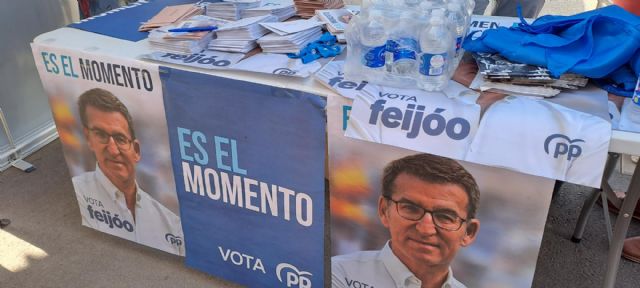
(420, 244)
(117, 163)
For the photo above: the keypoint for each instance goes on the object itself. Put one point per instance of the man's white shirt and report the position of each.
(103, 207)
(377, 269)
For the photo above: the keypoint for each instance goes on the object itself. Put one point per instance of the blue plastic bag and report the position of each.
(603, 44)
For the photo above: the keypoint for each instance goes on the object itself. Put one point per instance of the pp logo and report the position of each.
(173, 239)
(284, 71)
(563, 146)
(293, 276)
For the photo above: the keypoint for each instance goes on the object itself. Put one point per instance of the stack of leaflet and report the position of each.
(307, 8)
(240, 36)
(502, 75)
(283, 9)
(162, 39)
(336, 20)
(290, 37)
(230, 9)
(170, 15)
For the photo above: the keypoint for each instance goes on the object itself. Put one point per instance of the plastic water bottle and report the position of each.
(373, 38)
(456, 17)
(470, 5)
(426, 7)
(436, 43)
(634, 112)
(403, 45)
(412, 3)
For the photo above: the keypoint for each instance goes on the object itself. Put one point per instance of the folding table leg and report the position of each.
(620, 230)
(584, 215)
(612, 158)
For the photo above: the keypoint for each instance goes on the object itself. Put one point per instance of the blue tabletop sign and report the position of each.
(249, 166)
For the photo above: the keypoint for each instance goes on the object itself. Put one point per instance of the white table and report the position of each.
(70, 38)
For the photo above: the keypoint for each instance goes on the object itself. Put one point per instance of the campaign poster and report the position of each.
(249, 164)
(560, 138)
(110, 118)
(415, 239)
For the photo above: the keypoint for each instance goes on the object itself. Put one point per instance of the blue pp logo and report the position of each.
(292, 277)
(563, 145)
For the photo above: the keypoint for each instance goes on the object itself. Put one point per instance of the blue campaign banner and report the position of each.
(123, 23)
(249, 166)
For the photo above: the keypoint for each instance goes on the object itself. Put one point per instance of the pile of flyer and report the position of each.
(240, 36)
(230, 9)
(336, 20)
(498, 74)
(170, 15)
(190, 36)
(283, 9)
(307, 8)
(290, 37)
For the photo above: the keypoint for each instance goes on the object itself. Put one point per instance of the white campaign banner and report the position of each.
(278, 64)
(414, 119)
(332, 77)
(480, 23)
(268, 63)
(564, 138)
(543, 138)
(441, 123)
(110, 116)
(213, 60)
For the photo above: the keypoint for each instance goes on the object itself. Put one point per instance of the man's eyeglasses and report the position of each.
(446, 220)
(121, 141)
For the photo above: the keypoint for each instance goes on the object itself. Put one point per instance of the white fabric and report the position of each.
(154, 226)
(377, 269)
(534, 121)
(447, 107)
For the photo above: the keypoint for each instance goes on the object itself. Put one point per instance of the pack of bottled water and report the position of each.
(407, 43)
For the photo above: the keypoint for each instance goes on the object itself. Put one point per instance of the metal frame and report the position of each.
(17, 160)
(626, 205)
